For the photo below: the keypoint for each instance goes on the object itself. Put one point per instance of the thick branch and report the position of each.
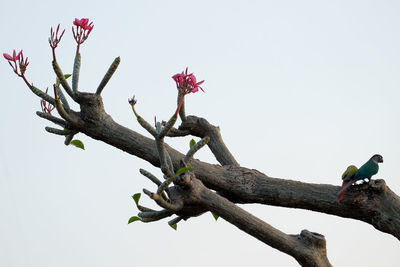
(309, 249)
(379, 208)
(201, 127)
(373, 203)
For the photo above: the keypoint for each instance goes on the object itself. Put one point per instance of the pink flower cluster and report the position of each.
(186, 83)
(83, 29)
(17, 60)
(84, 24)
(54, 40)
(14, 57)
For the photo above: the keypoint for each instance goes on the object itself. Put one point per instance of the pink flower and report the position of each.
(84, 24)
(17, 60)
(18, 64)
(14, 57)
(187, 83)
(83, 29)
(80, 22)
(54, 40)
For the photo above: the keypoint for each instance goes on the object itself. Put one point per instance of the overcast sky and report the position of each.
(300, 90)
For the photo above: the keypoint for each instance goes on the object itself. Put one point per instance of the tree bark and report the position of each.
(373, 203)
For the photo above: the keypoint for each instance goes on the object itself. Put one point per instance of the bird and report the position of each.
(346, 177)
(366, 171)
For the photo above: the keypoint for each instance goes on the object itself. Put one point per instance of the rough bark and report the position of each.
(308, 248)
(373, 203)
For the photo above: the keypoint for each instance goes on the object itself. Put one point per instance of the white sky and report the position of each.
(300, 89)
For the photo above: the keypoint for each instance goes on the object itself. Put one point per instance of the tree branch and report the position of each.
(309, 249)
(201, 127)
(378, 208)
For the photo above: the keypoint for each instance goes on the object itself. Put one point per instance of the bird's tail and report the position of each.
(345, 186)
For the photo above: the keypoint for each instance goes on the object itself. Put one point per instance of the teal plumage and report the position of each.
(366, 171)
(369, 169)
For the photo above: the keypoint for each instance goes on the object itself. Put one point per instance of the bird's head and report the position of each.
(377, 158)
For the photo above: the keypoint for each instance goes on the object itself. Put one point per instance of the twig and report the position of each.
(51, 118)
(163, 203)
(42, 95)
(59, 131)
(62, 79)
(75, 73)
(189, 156)
(155, 215)
(108, 75)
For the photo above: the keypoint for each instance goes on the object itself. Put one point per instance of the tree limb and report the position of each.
(380, 209)
(201, 127)
(309, 249)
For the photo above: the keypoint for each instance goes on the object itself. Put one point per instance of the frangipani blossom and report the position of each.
(14, 57)
(18, 64)
(84, 24)
(82, 31)
(54, 40)
(187, 83)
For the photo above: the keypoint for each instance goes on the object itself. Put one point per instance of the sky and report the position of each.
(300, 90)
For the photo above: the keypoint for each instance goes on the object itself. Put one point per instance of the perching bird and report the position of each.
(366, 171)
(348, 174)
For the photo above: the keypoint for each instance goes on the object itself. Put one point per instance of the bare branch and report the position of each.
(156, 181)
(150, 176)
(189, 156)
(75, 73)
(146, 125)
(163, 186)
(108, 75)
(58, 131)
(68, 139)
(167, 127)
(165, 167)
(154, 215)
(175, 220)
(177, 133)
(201, 127)
(63, 81)
(175, 207)
(308, 250)
(182, 113)
(42, 95)
(63, 99)
(243, 185)
(63, 113)
(51, 118)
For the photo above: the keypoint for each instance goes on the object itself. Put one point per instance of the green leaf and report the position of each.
(136, 197)
(192, 143)
(174, 226)
(133, 219)
(78, 144)
(183, 170)
(215, 215)
(66, 76)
